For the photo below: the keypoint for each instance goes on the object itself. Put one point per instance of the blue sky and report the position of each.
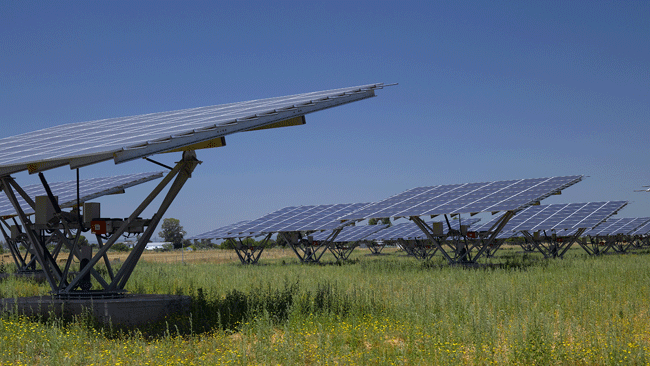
(487, 91)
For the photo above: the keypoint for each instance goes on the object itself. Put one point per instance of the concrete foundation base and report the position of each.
(131, 310)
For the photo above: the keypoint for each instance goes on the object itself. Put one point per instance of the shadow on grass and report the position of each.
(209, 312)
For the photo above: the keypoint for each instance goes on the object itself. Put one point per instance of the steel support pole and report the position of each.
(499, 226)
(427, 231)
(13, 248)
(574, 238)
(147, 201)
(188, 164)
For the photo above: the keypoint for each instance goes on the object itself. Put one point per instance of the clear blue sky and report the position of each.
(487, 91)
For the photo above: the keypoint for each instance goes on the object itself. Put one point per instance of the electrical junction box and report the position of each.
(91, 212)
(15, 231)
(44, 209)
(437, 229)
(472, 234)
(98, 227)
(463, 229)
(104, 226)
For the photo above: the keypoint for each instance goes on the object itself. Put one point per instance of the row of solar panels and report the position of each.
(562, 219)
(511, 195)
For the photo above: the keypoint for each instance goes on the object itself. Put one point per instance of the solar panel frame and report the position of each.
(66, 191)
(128, 138)
(511, 195)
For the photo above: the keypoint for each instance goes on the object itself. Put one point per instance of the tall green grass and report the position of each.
(387, 309)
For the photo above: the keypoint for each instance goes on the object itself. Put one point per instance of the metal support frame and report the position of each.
(493, 248)
(342, 250)
(620, 243)
(526, 245)
(594, 245)
(420, 249)
(309, 251)
(463, 250)
(375, 246)
(552, 246)
(113, 286)
(640, 242)
(14, 244)
(249, 254)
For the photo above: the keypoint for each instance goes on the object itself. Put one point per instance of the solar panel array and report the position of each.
(128, 138)
(67, 191)
(220, 233)
(624, 226)
(350, 233)
(564, 216)
(410, 231)
(297, 218)
(466, 198)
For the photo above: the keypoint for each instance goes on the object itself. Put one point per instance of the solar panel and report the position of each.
(624, 225)
(128, 138)
(67, 191)
(220, 233)
(643, 230)
(301, 218)
(509, 195)
(564, 216)
(350, 233)
(267, 219)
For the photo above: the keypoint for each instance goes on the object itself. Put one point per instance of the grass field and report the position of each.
(387, 309)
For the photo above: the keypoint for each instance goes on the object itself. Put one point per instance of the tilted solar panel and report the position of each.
(127, 138)
(643, 230)
(67, 191)
(314, 219)
(564, 216)
(300, 218)
(624, 226)
(509, 195)
(220, 233)
(254, 225)
(350, 233)
(392, 233)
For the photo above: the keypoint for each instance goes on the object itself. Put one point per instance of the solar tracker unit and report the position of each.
(508, 195)
(624, 226)
(564, 216)
(220, 233)
(300, 218)
(350, 233)
(128, 138)
(67, 191)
